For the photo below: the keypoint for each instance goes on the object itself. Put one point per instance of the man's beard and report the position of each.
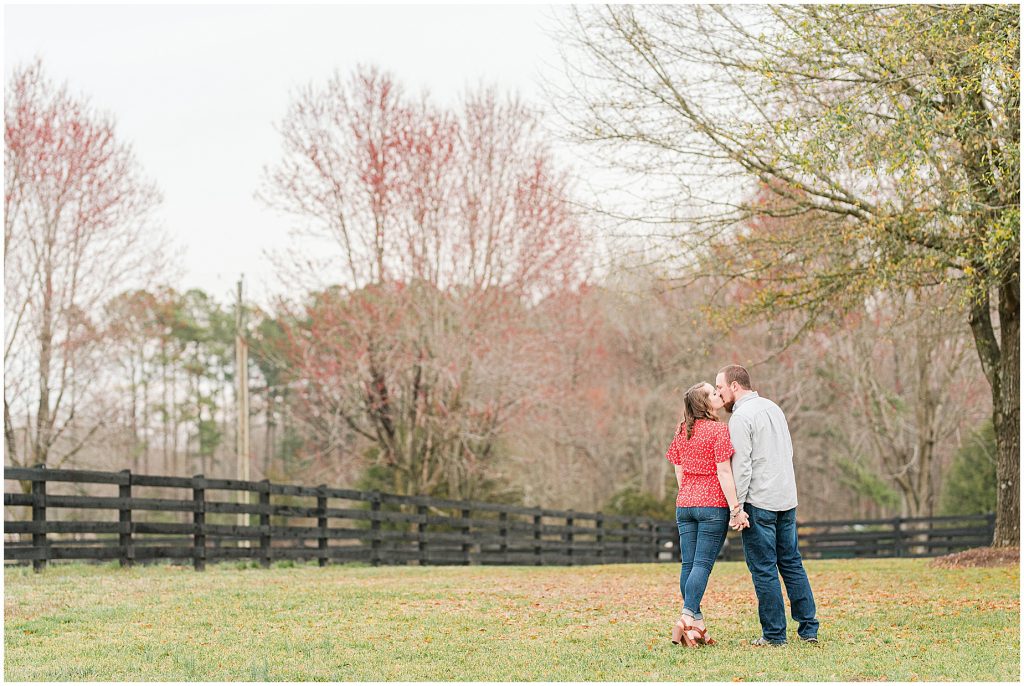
(728, 406)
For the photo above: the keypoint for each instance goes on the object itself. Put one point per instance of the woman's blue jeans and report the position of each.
(701, 534)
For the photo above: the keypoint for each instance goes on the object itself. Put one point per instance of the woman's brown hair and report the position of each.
(696, 405)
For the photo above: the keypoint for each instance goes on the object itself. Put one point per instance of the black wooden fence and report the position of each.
(288, 522)
(897, 537)
(62, 517)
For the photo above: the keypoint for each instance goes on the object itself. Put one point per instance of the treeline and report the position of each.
(444, 330)
(574, 407)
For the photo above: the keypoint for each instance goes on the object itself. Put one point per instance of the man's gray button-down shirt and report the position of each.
(763, 464)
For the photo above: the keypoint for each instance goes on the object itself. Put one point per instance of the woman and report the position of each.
(706, 504)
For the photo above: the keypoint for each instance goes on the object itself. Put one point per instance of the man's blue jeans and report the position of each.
(770, 547)
(701, 533)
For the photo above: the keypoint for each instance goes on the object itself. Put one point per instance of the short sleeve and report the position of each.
(672, 455)
(723, 446)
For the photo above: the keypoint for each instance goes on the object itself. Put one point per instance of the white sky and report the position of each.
(197, 92)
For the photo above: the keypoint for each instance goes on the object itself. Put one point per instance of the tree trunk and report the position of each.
(268, 446)
(174, 427)
(1006, 416)
(1000, 359)
(43, 423)
(145, 425)
(133, 410)
(10, 439)
(204, 458)
(167, 466)
(927, 404)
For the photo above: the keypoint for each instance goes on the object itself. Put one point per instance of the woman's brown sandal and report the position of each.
(678, 629)
(703, 638)
(681, 634)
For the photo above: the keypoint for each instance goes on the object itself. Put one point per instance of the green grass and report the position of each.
(899, 620)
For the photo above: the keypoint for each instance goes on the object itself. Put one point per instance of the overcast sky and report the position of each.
(197, 91)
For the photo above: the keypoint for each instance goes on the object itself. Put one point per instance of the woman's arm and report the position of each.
(679, 476)
(737, 517)
(728, 485)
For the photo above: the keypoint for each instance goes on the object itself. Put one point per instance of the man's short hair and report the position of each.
(734, 372)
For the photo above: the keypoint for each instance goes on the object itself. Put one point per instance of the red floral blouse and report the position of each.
(699, 457)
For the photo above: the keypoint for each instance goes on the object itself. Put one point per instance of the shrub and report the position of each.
(632, 502)
(969, 486)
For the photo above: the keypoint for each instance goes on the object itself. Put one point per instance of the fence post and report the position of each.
(990, 522)
(537, 552)
(625, 540)
(644, 537)
(321, 522)
(265, 523)
(39, 541)
(198, 522)
(375, 529)
(599, 536)
(569, 537)
(897, 525)
(652, 526)
(421, 534)
(503, 536)
(124, 518)
(929, 536)
(466, 545)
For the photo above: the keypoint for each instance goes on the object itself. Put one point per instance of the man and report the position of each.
(766, 489)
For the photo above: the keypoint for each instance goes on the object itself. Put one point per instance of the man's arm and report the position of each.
(741, 434)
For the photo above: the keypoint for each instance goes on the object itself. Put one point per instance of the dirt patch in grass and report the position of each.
(979, 557)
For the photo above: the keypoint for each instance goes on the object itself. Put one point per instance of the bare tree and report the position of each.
(75, 230)
(912, 386)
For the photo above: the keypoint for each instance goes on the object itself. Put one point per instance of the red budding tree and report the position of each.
(441, 231)
(75, 231)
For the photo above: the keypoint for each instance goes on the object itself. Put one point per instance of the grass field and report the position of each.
(899, 620)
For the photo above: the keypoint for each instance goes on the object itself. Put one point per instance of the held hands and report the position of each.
(739, 521)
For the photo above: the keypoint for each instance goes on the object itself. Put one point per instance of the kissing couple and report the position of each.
(738, 475)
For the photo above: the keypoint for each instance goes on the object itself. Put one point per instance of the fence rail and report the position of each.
(137, 520)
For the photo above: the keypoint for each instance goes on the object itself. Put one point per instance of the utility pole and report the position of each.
(242, 395)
